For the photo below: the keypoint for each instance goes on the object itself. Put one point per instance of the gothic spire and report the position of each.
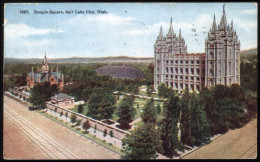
(45, 58)
(161, 33)
(180, 34)
(214, 26)
(223, 21)
(170, 33)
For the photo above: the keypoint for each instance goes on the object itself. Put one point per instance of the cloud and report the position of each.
(249, 12)
(23, 30)
(245, 24)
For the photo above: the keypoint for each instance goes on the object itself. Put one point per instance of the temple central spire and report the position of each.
(170, 33)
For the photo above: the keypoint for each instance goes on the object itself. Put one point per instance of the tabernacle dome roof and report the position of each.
(128, 72)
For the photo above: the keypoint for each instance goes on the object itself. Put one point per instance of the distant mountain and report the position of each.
(82, 60)
(251, 51)
(111, 59)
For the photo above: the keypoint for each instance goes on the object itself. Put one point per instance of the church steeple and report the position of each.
(170, 33)
(223, 21)
(45, 58)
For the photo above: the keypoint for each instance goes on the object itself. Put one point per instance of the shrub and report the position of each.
(78, 122)
(105, 133)
(73, 118)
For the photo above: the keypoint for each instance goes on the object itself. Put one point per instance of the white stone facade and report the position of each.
(179, 69)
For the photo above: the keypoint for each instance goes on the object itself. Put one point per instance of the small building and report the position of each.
(63, 100)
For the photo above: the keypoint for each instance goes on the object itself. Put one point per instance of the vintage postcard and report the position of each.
(130, 81)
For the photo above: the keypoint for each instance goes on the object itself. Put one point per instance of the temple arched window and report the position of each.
(211, 55)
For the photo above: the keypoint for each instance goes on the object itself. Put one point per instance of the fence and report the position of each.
(97, 127)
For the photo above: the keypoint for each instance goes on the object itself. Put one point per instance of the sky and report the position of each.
(124, 29)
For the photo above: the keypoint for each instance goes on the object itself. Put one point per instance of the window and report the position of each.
(186, 77)
(191, 78)
(198, 62)
(192, 62)
(176, 85)
(211, 55)
(181, 70)
(167, 69)
(198, 71)
(198, 78)
(166, 84)
(171, 84)
(181, 62)
(192, 71)
(171, 62)
(176, 70)
(167, 62)
(176, 77)
(176, 62)
(187, 62)
(166, 76)
(171, 76)
(180, 77)
(171, 70)
(186, 70)
(198, 87)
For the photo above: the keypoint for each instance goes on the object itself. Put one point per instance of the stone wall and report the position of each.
(118, 134)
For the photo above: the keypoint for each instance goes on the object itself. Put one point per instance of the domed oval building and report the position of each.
(127, 72)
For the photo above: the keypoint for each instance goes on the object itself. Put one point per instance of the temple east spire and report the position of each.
(170, 33)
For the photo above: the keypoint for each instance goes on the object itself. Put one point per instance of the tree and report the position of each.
(149, 90)
(37, 99)
(111, 134)
(41, 93)
(106, 107)
(101, 106)
(124, 113)
(200, 128)
(78, 122)
(165, 92)
(135, 89)
(158, 108)
(93, 104)
(162, 90)
(80, 108)
(168, 126)
(105, 133)
(73, 118)
(186, 121)
(143, 143)
(86, 125)
(149, 112)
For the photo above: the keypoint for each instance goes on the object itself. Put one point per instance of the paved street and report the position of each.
(235, 144)
(29, 135)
